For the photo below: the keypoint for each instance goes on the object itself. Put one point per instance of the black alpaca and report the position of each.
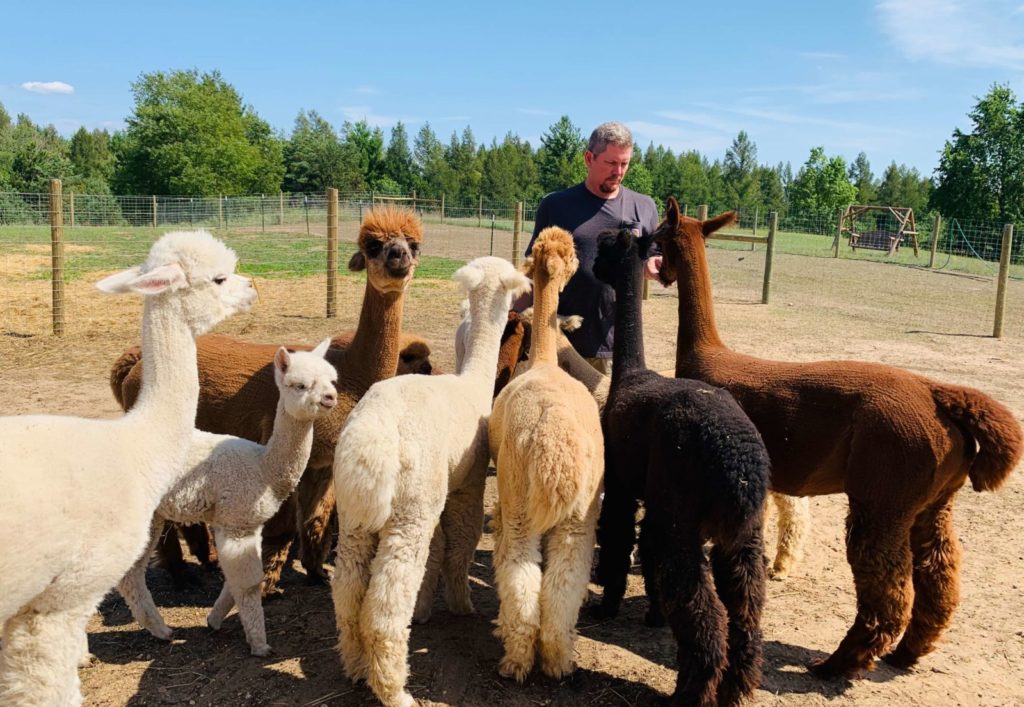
(688, 451)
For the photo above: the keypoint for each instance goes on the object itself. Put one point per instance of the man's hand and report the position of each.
(652, 266)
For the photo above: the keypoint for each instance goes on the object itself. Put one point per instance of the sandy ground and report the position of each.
(820, 309)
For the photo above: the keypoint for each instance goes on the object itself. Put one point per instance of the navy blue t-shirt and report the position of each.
(585, 215)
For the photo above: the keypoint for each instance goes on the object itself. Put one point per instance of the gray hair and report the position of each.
(610, 133)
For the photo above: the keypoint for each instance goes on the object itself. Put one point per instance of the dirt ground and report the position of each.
(814, 314)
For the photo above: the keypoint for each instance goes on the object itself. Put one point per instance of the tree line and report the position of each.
(192, 134)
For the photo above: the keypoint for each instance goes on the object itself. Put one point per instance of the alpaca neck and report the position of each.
(577, 366)
(696, 309)
(373, 353)
(166, 409)
(628, 349)
(543, 348)
(286, 454)
(487, 319)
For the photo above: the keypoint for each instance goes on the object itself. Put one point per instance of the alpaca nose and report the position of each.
(329, 400)
(398, 255)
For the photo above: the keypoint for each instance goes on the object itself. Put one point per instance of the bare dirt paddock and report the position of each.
(818, 311)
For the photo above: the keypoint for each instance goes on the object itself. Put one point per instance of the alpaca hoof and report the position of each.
(403, 699)
(558, 668)
(901, 658)
(826, 669)
(86, 660)
(510, 668)
(778, 573)
(261, 651)
(461, 607)
(162, 632)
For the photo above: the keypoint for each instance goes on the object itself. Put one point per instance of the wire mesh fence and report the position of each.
(285, 236)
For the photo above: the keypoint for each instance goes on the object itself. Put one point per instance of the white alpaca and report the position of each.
(84, 490)
(236, 486)
(411, 444)
(545, 435)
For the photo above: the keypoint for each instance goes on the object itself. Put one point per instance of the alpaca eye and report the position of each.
(414, 247)
(374, 247)
(300, 386)
(220, 279)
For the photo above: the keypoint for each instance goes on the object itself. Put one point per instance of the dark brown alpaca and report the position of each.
(238, 395)
(125, 382)
(898, 444)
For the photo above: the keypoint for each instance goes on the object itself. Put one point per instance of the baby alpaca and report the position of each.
(49, 594)
(695, 459)
(413, 447)
(236, 486)
(545, 435)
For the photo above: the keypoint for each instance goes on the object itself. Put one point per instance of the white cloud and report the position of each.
(678, 138)
(979, 33)
(357, 113)
(48, 87)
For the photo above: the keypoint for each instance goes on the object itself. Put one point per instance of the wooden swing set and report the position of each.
(882, 237)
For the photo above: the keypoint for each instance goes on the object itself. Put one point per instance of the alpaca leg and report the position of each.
(567, 559)
(315, 494)
(278, 534)
(878, 549)
(616, 533)
(221, 607)
(698, 621)
(463, 523)
(40, 656)
(395, 576)
(518, 578)
(740, 581)
(356, 549)
(243, 572)
(652, 552)
(425, 597)
(168, 549)
(936, 552)
(200, 544)
(135, 592)
(793, 524)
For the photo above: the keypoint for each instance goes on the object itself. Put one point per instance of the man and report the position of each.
(597, 204)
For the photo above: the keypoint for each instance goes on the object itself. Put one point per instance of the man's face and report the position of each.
(606, 170)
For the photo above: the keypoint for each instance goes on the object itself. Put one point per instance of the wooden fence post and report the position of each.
(220, 211)
(1004, 275)
(57, 255)
(71, 208)
(480, 212)
(839, 233)
(332, 252)
(769, 254)
(702, 212)
(936, 230)
(517, 228)
(442, 207)
(414, 200)
(154, 211)
(280, 208)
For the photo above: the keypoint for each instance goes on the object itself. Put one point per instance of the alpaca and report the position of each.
(898, 444)
(688, 451)
(545, 436)
(409, 475)
(793, 513)
(238, 395)
(48, 595)
(236, 485)
(125, 379)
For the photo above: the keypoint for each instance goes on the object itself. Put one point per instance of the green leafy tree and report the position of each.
(314, 158)
(191, 134)
(90, 154)
(981, 172)
(398, 163)
(666, 172)
(37, 155)
(428, 155)
(6, 148)
(863, 180)
(742, 186)
(904, 186)
(366, 145)
(821, 187)
(639, 178)
(693, 185)
(773, 195)
(560, 157)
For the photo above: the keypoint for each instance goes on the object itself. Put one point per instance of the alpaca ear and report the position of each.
(516, 282)
(357, 262)
(282, 359)
(717, 223)
(469, 276)
(527, 267)
(151, 282)
(321, 348)
(672, 215)
(570, 323)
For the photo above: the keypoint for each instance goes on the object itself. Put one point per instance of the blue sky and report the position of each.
(892, 78)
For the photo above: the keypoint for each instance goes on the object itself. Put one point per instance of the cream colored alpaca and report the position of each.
(545, 435)
(84, 490)
(793, 513)
(236, 486)
(413, 447)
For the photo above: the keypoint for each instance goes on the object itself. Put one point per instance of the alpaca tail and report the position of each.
(558, 478)
(366, 472)
(991, 425)
(120, 370)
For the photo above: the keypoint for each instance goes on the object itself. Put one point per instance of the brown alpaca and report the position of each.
(238, 395)
(125, 382)
(898, 444)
